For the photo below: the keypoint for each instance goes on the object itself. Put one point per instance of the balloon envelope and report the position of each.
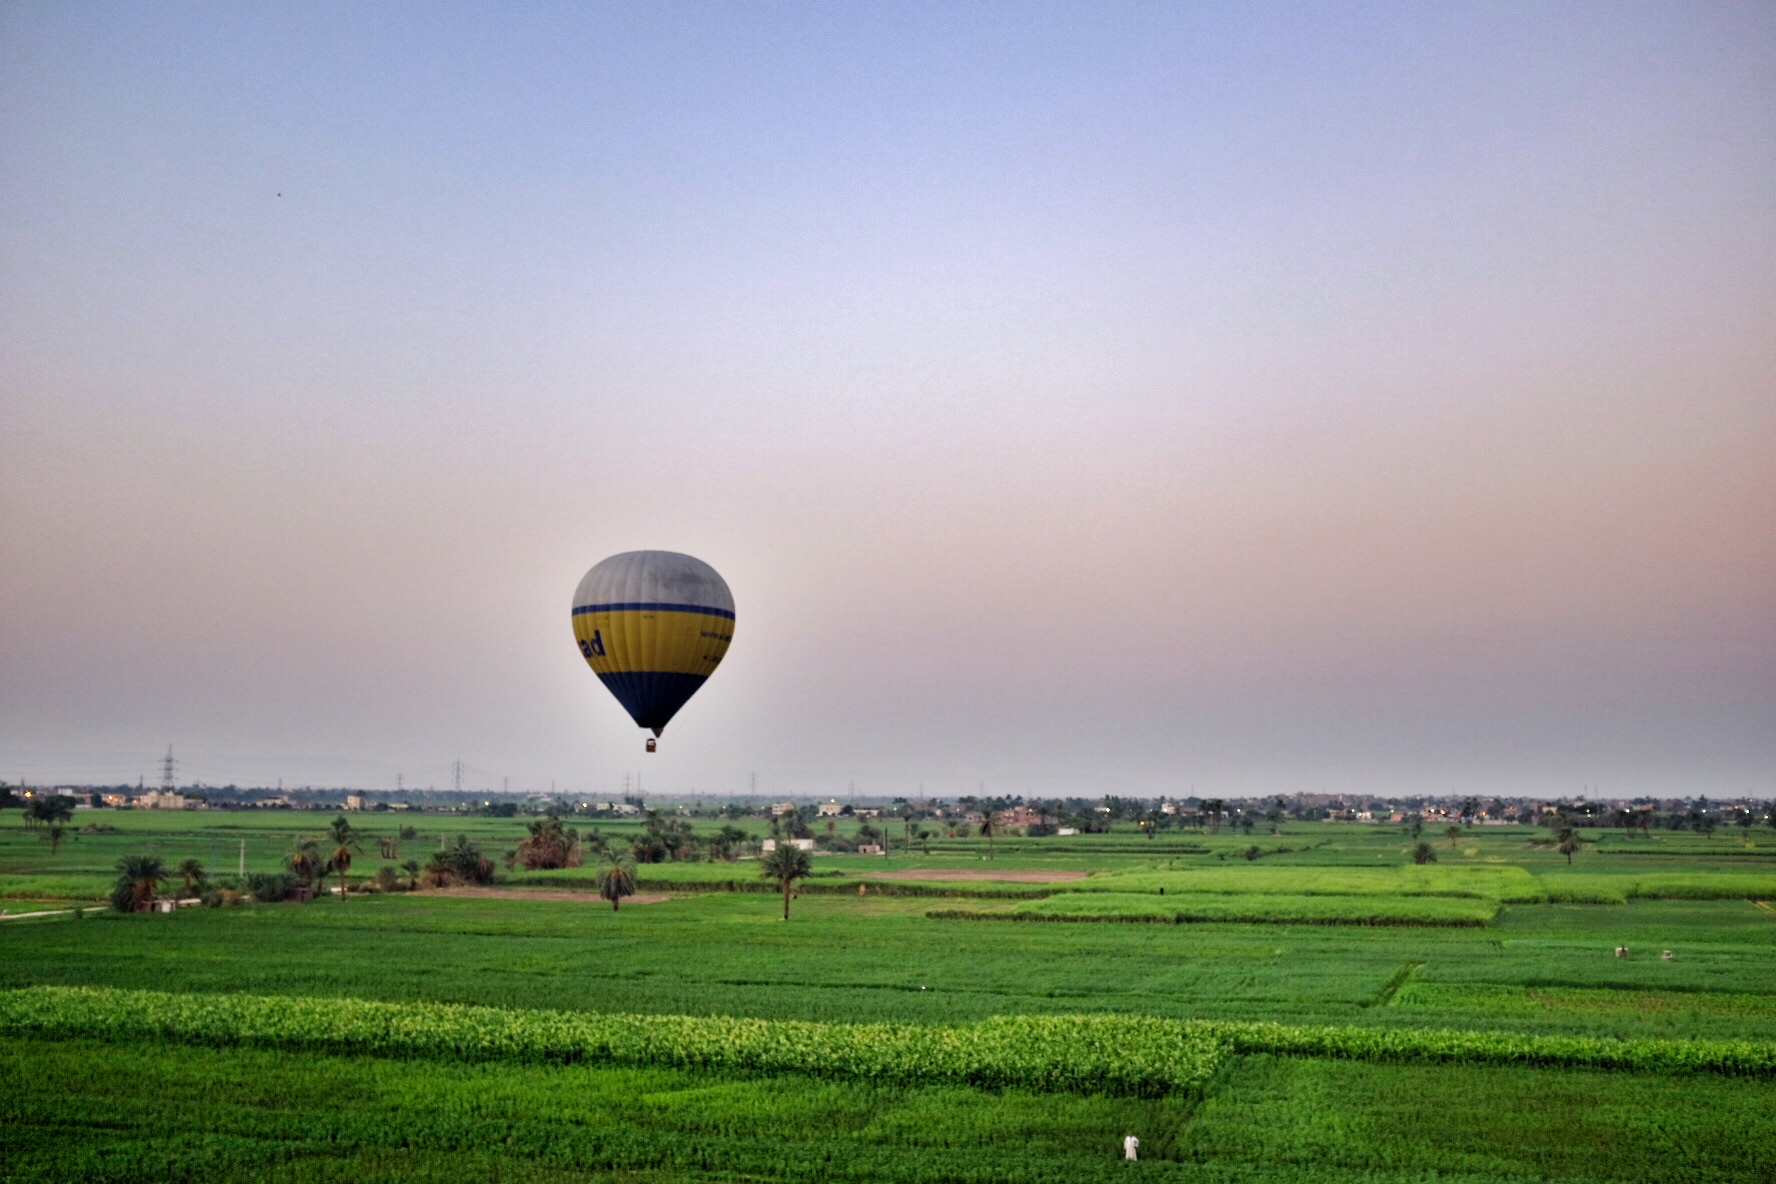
(653, 625)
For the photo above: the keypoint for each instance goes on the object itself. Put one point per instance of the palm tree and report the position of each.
(345, 842)
(616, 878)
(192, 872)
(138, 878)
(1569, 841)
(54, 836)
(988, 829)
(305, 861)
(796, 823)
(549, 844)
(467, 863)
(439, 870)
(1424, 853)
(786, 864)
(1452, 834)
(1213, 808)
(411, 867)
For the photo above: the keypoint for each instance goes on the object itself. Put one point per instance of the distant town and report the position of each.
(1032, 817)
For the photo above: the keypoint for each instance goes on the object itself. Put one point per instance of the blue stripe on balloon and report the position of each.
(654, 608)
(650, 697)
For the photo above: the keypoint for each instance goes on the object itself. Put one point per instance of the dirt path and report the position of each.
(527, 894)
(1015, 875)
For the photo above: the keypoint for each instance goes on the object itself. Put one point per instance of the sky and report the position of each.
(1079, 399)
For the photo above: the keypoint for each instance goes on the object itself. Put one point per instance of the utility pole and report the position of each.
(456, 772)
(243, 859)
(400, 783)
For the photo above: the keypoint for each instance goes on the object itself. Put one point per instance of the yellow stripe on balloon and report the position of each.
(652, 641)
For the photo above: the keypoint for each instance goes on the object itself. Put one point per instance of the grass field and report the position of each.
(1300, 1093)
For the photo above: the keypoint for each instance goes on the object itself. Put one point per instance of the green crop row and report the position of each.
(1256, 909)
(1106, 1053)
(1118, 1054)
(1697, 885)
(57, 887)
(1737, 1058)
(1483, 882)
(1513, 1000)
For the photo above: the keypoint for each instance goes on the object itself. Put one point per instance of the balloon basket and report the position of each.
(653, 745)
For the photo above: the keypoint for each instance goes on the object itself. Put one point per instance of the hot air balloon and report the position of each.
(653, 625)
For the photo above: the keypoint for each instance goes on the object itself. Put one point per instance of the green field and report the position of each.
(1365, 1019)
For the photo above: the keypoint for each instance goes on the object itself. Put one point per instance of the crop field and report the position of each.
(1326, 1010)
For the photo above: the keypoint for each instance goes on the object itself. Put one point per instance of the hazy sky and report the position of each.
(1078, 398)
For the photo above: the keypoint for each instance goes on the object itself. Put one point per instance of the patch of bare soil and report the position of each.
(527, 894)
(1015, 875)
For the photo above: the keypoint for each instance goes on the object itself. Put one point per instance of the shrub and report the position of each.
(270, 887)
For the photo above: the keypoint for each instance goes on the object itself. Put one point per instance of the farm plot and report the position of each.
(193, 1113)
(1667, 885)
(1490, 1121)
(348, 1091)
(1689, 1007)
